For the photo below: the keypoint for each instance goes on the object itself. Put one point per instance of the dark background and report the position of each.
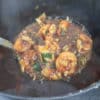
(16, 14)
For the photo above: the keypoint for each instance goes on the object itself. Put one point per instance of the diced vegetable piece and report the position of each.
(56, 76)
(28, 39)
(44, 30)
(46, 72)
(42, 49)
(52, 29)
(51, 74)
(66, 48)
(41, 19)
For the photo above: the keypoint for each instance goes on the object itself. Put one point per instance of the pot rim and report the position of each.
(78, 92)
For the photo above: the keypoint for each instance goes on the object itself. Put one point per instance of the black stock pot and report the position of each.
(14, 85)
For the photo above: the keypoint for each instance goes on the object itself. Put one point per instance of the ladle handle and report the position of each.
(6, 43)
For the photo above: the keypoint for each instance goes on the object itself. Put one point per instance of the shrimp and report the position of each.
(66, 63)
(21, 45)
(84, 43)
(63, 26)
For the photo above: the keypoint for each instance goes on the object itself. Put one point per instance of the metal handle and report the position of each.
(6, 43)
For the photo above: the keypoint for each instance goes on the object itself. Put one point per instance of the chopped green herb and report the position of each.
(37, 66)
(46, 56)
(62, 33)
